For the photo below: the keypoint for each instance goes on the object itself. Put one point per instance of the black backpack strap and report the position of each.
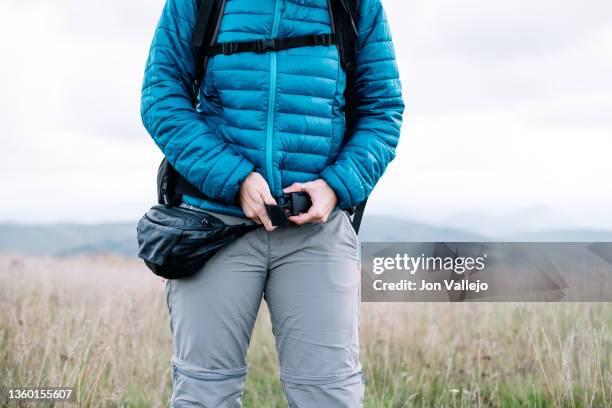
(345, 17)
(205, 9)
(203, 35)
(272, 44)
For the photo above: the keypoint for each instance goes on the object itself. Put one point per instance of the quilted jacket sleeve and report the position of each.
(187, 141)
(364, 158)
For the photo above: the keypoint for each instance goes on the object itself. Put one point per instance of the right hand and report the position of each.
(254, 194)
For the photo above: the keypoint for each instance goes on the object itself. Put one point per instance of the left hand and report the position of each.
(323, 199)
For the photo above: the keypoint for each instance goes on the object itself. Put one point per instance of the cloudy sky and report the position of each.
(509, 112)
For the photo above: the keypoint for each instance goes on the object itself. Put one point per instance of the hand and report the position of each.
(254, 194)
(323, 199)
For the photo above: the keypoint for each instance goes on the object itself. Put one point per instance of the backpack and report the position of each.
(344, 18)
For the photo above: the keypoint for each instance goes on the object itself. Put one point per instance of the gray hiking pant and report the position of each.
(309, 278)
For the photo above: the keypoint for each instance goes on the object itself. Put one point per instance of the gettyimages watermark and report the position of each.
(485, 271)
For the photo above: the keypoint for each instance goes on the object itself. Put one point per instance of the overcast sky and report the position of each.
(509, 111)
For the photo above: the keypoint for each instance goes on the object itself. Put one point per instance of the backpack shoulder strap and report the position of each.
(203, 35)
(345, 20)
(344, 17)
(205, 9)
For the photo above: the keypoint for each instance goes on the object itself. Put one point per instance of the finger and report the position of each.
(294, 188)
(308, 187)
(262, 214)
(318, 216)
(267, 198)
(248, 211)
(253, 209)
(304, 218)
(251, 213)
(268, 225)
(297, 219)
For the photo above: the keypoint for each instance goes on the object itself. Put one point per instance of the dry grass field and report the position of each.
(99, 324)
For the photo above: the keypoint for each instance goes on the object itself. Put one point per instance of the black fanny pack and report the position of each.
(176, 242)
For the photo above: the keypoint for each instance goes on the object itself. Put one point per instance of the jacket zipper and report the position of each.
(272, 100)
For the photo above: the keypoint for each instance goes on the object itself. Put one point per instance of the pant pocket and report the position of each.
(169, 304)
(348, 223)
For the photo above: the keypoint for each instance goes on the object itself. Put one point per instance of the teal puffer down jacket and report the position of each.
(278, 113)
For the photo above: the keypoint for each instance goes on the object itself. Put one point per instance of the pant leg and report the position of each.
(313, 296)
(212, 315)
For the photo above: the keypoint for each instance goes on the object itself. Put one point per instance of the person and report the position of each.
(269, 123)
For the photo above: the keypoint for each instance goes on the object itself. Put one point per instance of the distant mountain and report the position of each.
(68, 239)
(382, 228)
(120, 238)
(563, 235)
(507, 223)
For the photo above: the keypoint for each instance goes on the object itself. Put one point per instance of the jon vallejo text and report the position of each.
(412, 264)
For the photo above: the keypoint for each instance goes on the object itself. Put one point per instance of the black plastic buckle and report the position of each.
(294, 203)
(288, 205)
(265, 44)
(229, 47)
(324, 39)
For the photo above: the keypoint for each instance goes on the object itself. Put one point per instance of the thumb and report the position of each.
(294, 188)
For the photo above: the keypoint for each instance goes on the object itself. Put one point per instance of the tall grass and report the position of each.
(100, 324)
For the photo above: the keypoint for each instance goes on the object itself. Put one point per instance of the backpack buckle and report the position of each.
(323, 39)
(265, 44)
(229, 47)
